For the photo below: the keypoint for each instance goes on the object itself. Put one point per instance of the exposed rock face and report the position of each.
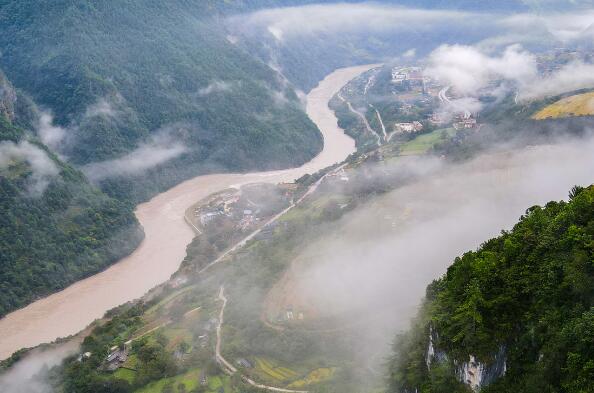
(477, 374)
(432, 354)
(474, 373)
(7, 98)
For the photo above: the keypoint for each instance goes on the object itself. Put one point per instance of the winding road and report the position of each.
(363, 119)
(166, 237)
(443, 97)
(227, 367)
(381, 121)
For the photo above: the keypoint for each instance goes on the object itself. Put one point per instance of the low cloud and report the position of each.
(43, 169)
(216, 87)
(288, 23)
(103, 107)
(468, 70)
(160, 149)
(409, 54)
(381, 257)
(51, 135)
(573, 76)
(564, 27)
(456, 106)
(471, 72)
(291, 22)
(30, 375)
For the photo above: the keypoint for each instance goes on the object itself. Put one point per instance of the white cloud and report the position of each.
(456, 106)
(391, 249)
(160, 149)
(573, 76)
(410, 53)
(216, 86)
(468, 70)
(51, 135)
(565, 27)
(43, 169)
(103, 107)
(291, 22)
(30, 374)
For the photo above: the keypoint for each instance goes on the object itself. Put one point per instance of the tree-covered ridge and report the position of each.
(524, 299)
(55, 228)
(115, 74)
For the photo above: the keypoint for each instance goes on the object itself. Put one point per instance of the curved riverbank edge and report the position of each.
(166, 237)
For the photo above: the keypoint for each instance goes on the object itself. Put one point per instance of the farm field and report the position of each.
(268, 369)
(189, 379)
(576, 105)
(316, 376)
(423, 143)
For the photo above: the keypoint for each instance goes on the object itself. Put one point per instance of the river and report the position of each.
(166, 237)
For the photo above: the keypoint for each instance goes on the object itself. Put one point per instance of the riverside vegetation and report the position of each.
(55, 227)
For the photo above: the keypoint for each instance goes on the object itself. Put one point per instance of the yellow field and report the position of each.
(316, 376)
(577, 105)
(277, 373)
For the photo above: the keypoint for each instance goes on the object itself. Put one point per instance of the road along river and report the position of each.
(166, 237)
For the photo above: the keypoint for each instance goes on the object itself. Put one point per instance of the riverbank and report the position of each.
(166, 237)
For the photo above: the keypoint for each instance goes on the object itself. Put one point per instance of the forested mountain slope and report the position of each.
(55, 228)
(152, 77)
(517, 315)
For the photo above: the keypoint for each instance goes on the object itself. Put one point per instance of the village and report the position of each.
(241, 209)
(411, 86)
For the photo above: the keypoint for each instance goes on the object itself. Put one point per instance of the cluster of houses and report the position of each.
(465, 123)
(340, 175)
(226, 205)
(267, 232)
(290, 315)
(460, 122)
(117, 356)
(243, 362)
(414, 126)
(439, 118)
(409, 77)
(553, 60)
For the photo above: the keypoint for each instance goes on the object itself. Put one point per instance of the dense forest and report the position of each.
(521, 306)
(55, 228)
(148, 76)
(132, 97)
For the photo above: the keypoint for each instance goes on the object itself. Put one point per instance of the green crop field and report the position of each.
(189, 379)
(270, 370)
(423, 143)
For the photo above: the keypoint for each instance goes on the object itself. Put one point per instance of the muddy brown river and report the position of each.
(166, 237)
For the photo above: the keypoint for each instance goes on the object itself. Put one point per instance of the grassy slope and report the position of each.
(577, 105)
(423, 143)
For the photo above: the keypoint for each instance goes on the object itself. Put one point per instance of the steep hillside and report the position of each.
(153, 78)
(516, 315)
(55, 228)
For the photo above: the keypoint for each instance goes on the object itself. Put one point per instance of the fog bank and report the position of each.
(385, 254)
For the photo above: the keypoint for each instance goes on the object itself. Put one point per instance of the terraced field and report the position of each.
(282, 374)
(576, 105)
(316, 376)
